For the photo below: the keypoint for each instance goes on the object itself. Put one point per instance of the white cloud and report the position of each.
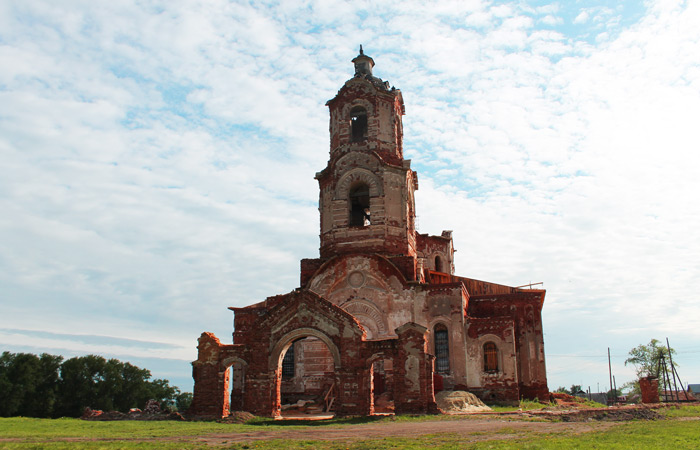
(582, 17)
(158, 160)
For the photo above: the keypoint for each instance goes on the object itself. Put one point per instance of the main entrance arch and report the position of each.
(304, 363)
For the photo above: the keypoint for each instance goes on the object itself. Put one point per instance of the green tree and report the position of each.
(47, 386)
(183, 401)
(79, 385)
(632, 387)
(613, 394)
(165, 394)
(135, 389)
(576, 390)
(28, 384)
(42, 401)
(92, 381)
(18, 373)
(646, 358)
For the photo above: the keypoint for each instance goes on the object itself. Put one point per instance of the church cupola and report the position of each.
(363, 64)
(366, 200)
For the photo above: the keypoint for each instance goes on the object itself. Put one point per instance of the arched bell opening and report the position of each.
(358, 124)
(359, 205)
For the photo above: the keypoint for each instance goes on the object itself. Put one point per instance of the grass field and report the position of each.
(677, 428)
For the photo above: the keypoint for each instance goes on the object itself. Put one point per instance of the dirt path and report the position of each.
(470, 428)
(477, 429)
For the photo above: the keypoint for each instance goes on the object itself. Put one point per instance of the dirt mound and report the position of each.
(612, 414)
(459, 401)
(237, 417)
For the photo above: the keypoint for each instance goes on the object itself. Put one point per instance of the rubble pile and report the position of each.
(384, 404)
(152, 411)
(562, 399)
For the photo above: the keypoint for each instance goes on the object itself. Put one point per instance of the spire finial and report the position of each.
(361, 52)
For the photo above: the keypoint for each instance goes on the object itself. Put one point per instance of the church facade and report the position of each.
(380, 321)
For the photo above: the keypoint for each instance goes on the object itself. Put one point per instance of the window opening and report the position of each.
(359, 206)
(490, 357)
(288, 364)
(358, 122)
(438, 264)
(442, 349)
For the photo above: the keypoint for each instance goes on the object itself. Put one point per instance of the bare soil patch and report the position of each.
(471, 427)
(476, 430)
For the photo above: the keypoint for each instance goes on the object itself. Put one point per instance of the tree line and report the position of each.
(48, 386)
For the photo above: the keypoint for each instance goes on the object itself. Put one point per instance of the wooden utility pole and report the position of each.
(610, 370)
(673, 370)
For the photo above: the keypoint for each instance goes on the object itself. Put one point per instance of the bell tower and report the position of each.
(367, 189)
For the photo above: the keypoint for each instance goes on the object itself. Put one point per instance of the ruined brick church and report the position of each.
(380, 321)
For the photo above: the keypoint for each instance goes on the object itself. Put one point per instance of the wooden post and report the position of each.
(610, 372)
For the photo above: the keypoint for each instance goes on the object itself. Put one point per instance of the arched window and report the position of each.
(438, 264)
(442, 349)
(359, 206)
(288, 367)
(358, 123)
(490, 357)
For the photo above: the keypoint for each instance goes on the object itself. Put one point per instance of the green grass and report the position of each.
(682, 411)
(679, 429)
(633, 435)
(524, 405)
(534, 405)
(25, 427)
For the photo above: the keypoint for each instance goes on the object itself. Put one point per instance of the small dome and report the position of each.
(363, 64)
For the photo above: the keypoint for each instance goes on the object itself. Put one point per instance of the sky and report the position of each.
(157, 164)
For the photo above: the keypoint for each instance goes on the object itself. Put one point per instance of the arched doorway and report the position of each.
(305, 375)
(234, 383)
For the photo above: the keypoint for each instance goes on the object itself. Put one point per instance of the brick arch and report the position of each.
(228, 362)
(364, 309)
(285, 341)
(379, 355)
(349, 178)
(316, 281)
(368, 106)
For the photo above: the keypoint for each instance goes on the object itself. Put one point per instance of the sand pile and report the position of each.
(459, 401)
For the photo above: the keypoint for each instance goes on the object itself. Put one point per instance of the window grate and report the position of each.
(288, 364)
(442, 350)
